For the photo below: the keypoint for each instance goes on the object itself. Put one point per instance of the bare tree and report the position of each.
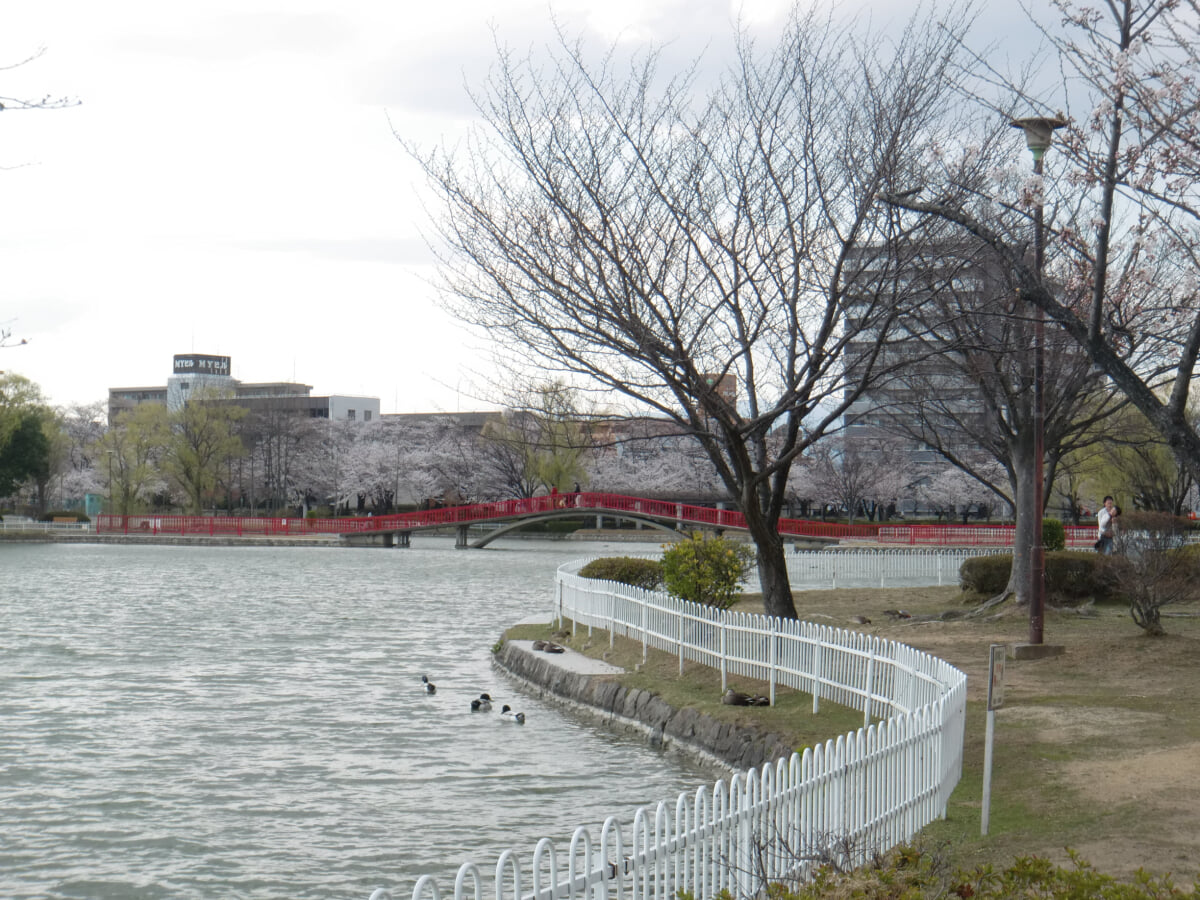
(45, 102)
(688, 249)
(1154, 567)
(7, 339)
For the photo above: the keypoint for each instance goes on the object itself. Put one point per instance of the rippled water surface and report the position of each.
(248, 722)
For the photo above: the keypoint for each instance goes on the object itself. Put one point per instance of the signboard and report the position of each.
(995, 698)
(192, 364)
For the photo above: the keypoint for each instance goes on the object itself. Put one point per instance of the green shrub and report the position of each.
(1054, 535)
(1074, 575)
(706, 570)
(640, 573)
(1071, 576)
(985, 574)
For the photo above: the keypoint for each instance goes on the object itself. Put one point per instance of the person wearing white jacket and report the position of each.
(1106, 523)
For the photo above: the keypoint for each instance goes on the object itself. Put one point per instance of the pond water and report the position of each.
(186, 721)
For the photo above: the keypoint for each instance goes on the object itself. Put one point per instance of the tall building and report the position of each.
(922, 295)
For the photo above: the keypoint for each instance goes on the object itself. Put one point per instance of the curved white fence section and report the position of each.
(843, 800)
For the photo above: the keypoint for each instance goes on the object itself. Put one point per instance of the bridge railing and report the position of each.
(682, 514)
(844, 799)
(1079, 537)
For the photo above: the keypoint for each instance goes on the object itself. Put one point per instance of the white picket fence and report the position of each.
(840, 801)
(875, 567)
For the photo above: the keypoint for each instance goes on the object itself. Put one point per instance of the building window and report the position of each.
(366, 415)
(350, 414)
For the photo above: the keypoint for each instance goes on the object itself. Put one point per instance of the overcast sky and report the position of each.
(230, 183)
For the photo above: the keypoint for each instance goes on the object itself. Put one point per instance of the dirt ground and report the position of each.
(1097, 749)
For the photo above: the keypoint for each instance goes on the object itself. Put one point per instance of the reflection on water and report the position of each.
(199, 722)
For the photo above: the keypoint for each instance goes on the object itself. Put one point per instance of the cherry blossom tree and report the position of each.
(82, 426)
(854, 479)
(652, 459)
(948, 489)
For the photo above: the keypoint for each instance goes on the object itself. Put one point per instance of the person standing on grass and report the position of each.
(1106, 523)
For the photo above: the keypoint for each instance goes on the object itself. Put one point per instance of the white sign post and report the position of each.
(995, 699)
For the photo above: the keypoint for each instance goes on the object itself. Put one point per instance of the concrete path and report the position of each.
(571, 661)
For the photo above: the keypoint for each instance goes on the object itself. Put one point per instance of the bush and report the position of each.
(1154, 566)
(706, 570)
(640, 573)
(1071, 576)
(1054, 535)
(985, 574)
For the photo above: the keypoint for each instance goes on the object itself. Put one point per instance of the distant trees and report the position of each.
(130, 456)
(273, 439)
(651, 457)
(202, 442)
(541, 442)
(854, 478)
(24, 435)
(82, 425)
(1138, 465)
(26, 454)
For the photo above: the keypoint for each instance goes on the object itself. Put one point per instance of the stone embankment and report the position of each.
(591, 686)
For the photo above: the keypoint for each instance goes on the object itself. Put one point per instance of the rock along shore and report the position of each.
(591, 686)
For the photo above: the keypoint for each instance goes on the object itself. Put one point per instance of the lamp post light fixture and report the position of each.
(1039, 134)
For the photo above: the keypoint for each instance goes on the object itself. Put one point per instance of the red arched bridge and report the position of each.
(504, 516)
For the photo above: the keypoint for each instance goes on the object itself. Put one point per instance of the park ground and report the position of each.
(1096, 750)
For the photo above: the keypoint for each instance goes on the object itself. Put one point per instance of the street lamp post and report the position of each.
(1039, 134)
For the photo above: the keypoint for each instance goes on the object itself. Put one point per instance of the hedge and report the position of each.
(1071, 576)
(640, 573)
